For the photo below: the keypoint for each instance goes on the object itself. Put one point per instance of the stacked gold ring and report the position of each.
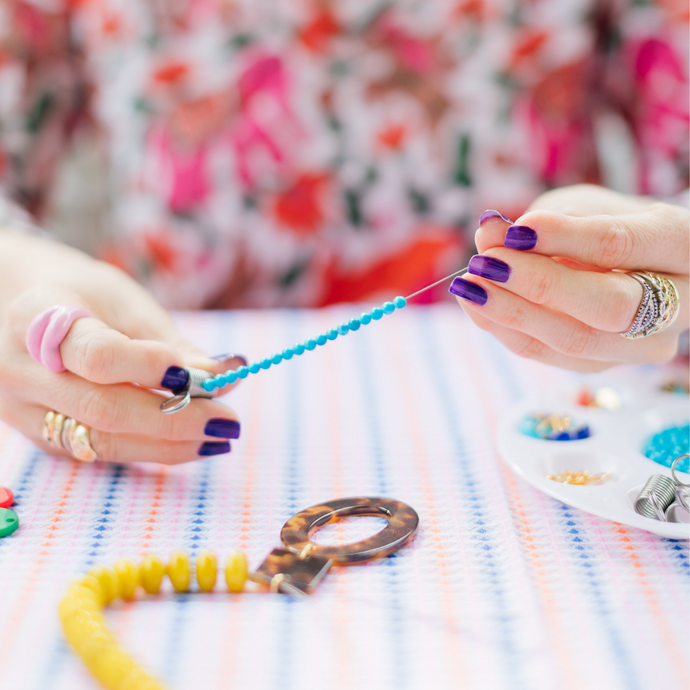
(64, 432)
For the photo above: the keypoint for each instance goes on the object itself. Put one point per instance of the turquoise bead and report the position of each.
(242, 372)
(332, 334)
(229, 377)
(265, 363)
(376, 313)
(277, 358)
(254, 368)
(354, 324)
(321, 339)
(400, 302)
(365, 318)
(287, 353)
(343, 329)
(209, 385)
(310, 344)
(298, 349)
(388, 307)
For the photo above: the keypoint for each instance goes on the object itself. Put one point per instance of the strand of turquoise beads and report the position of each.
(343, 329)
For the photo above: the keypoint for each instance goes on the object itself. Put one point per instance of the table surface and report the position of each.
(503, 587)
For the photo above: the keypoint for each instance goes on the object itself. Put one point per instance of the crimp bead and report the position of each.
(400, 302)
(365, 318)
(343, 329)
(376, 313)
(354, 324)
(321, 339)
(388, 307)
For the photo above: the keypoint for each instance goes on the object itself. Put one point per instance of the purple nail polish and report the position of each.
(520, 237)
(488, 215)
(213, 448)
(222, 428)
(175, 379)
(490, 268)
(470, 291)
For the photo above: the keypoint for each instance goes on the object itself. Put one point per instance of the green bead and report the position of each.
(9, 521)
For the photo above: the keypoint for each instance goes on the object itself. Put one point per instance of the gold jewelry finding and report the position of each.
(67, 433)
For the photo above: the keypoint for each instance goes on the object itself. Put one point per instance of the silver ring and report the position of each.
(672, 509)
(673, 470)
(658, 308)
(176, 403)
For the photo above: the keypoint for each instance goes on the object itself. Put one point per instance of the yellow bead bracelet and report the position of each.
(85, 626)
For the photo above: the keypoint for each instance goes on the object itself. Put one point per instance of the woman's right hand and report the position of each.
(131, 345)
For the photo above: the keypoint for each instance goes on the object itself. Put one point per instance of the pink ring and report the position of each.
(47, 331)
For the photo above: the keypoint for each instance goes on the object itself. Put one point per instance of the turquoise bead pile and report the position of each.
(668, 444)
(343, 329)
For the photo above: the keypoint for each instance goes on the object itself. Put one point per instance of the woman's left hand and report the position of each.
(552, 286)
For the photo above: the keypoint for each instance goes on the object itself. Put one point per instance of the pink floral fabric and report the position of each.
(304, 152)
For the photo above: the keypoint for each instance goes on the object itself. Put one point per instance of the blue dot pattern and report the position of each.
(668, 444)
(352, 325)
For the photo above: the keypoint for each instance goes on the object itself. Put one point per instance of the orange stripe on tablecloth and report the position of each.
(535, 555)
(151, 523)
(14, 619)
(251, 425)
(671, 643)
(454, 656)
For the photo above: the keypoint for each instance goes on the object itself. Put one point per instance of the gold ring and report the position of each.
(67, 433)
(658, 308)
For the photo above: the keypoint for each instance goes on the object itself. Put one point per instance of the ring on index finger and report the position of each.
(658, 308)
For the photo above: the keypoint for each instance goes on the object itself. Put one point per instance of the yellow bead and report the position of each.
(151, 574)
(236, 571)
(206, 570)
(90, 582)
(128, 579)
(178, 571)
(108, 580)
(112, 667)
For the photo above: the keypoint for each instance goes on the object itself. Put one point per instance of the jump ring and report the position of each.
(176, 403)
(673, 470)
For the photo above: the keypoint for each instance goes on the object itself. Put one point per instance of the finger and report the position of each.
(492, 230)
(530, 348)
(101, 354)
(124, 448)
(607, 301)
(654, 240)
(559, 331)
(118, 408)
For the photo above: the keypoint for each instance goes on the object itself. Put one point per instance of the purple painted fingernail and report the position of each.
(520, 237)
(470, 291)
(213, 448)
(222, 428)
(488, 215)
(488, 267)
(175, 379)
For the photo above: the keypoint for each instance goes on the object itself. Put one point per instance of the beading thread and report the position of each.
(343, 329)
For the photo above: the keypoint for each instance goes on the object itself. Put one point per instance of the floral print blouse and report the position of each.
(305, 152)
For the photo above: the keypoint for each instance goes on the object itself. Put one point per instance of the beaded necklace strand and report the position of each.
(344, 328)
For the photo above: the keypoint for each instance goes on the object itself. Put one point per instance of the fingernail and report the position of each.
(488, 267)
(488, 215)
(470, 291)
(213, 448)
(520, 237)
(223, 358)
(175, 379)
(222, 428)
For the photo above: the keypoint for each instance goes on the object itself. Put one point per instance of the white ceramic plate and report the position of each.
(615, 445)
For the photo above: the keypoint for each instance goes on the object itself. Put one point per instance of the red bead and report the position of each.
(6, 497)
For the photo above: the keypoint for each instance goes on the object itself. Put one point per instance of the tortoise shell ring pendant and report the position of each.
(402, 525)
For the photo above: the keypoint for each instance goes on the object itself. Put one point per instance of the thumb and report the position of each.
(655, 239)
